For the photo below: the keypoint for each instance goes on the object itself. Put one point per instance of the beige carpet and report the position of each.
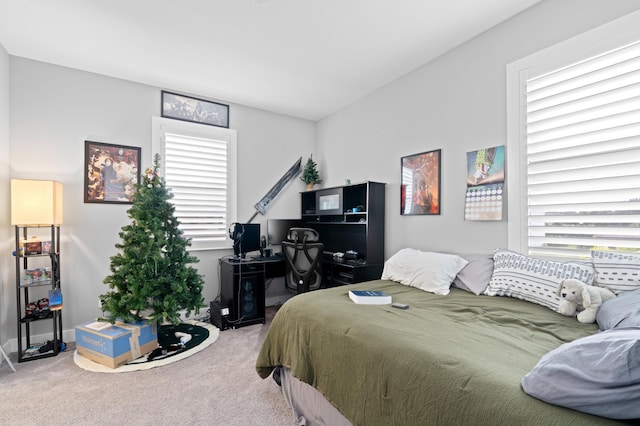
(89, 365)
(216, 386)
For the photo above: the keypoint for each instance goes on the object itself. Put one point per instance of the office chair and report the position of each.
(303, 252)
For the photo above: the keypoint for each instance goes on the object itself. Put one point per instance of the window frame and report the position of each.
(606, 37)
(161, 126)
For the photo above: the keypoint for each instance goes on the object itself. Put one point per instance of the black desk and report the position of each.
(338, 272)
(242, 282)
(242, 287)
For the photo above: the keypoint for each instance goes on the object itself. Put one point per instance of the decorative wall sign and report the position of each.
(111, 172)
(420, 189)
(485, 184)
(201, 111)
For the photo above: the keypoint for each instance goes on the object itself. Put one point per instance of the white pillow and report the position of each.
(532, 279)
(428, 271)
(618, 271)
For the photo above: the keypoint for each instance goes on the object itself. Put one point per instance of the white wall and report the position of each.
(7, 315)
(55, 109)
(456, 103)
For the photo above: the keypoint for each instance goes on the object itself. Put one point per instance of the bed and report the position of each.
(447, 360)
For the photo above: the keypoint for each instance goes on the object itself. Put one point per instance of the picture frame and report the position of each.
(420, 183)
(194, 110)
(111, 172)
(485, 196)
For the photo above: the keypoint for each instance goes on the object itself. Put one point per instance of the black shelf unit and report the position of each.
(361, 231)
(25, 291)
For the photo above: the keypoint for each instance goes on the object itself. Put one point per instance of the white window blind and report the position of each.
(198, 166)
(583, 156)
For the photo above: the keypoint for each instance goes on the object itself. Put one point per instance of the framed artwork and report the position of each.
(485, 184)
(420, 188)
(195, 110)
(111, 172)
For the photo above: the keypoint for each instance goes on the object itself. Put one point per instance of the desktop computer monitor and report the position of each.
(277, 229)
(246, 238)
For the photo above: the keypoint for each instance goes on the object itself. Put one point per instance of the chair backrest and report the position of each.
(303, 252)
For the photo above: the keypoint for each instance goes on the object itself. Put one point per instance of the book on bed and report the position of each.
(369, 297)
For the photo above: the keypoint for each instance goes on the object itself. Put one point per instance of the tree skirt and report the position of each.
(202, 335)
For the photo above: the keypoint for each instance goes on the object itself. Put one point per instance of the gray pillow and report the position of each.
(476, 275)
(598, 374)
(621, 311)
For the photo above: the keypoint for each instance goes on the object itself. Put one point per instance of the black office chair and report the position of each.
(303, 251)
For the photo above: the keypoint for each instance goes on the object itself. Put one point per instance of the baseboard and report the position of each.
(12, 344)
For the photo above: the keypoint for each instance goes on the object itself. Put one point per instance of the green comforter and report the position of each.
(447, 360)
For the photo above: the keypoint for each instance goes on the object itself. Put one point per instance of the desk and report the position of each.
(242, 282)
(242, 287)
(337, 272)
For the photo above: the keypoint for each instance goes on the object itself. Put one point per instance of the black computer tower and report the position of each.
(242, 291)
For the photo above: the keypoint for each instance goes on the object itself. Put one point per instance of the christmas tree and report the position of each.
(310, 172)
(150, 276)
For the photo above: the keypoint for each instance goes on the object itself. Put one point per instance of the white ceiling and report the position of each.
(305, 58)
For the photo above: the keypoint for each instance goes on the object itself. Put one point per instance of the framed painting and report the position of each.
(420, 187)
(186, 108)
(111, 172)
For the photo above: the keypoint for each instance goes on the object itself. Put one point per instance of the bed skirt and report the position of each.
(310, 408)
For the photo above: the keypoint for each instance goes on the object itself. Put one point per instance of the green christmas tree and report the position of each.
(310, 172)
(150, 276)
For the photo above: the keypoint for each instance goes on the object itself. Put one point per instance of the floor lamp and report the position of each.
(34, 202)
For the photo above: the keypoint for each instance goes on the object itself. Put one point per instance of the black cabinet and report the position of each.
(349, 220)
(37, 272)
(242, 291)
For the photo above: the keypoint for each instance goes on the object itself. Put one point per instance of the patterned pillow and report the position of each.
(617, 271)
(534, 280)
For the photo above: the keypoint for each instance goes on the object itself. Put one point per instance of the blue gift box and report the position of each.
(115, 345)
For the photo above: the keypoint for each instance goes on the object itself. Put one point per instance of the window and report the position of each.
(574, 146)
(198, 164)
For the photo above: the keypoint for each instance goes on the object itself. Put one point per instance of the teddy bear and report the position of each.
(576, 295)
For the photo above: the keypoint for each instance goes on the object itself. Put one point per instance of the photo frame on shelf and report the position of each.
(111, 172)
(420, 183)
(187, 108)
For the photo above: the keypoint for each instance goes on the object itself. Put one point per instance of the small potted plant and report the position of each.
(310, 174)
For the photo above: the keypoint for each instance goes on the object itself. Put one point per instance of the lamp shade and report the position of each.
(36, 202)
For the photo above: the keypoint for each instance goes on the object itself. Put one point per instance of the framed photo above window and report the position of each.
(420, 188)
(185, 108)
(111, 172)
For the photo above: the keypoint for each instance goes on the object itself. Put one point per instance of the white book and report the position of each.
(98, 325)
(369, 297)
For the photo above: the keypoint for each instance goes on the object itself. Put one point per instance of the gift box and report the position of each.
(115, 345)
(36, 275)
(34, 246)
